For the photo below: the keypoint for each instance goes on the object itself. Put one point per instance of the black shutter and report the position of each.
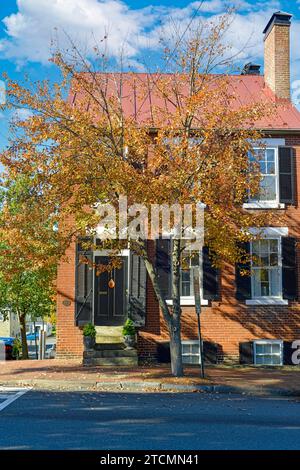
(243, 282)
(163, 352)
(210, 352)
(83, 287)
(163, 265)
(288, 353)
(246, 352)
(137, 290)
(211, 277)
(289, 268)
(286, 175)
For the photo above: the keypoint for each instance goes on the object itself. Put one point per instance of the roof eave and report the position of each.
(281, 131)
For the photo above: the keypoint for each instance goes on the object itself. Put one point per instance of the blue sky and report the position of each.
(27, 28)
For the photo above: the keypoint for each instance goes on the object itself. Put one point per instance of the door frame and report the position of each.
(124, 253)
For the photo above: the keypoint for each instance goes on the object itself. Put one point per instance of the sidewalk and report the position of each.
(62, 375)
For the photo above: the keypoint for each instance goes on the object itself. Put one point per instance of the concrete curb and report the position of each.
(151, 386)
(165, 387)
(44, 384)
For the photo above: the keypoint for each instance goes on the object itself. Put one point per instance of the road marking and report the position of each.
(10, 394)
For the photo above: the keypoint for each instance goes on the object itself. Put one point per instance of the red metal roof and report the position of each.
(138, 97)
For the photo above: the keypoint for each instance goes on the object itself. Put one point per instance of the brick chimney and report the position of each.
(277, 54)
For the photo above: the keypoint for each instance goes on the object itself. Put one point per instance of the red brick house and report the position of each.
(245, 319)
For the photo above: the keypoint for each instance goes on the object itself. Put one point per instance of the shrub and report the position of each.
(129, 328)
(89, 330)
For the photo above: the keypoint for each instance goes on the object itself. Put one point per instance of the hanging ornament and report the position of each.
(111, 283)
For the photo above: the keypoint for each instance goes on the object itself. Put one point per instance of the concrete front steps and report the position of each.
(110, 349)
(109, 334)
(111, 354)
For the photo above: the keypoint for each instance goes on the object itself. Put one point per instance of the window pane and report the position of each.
(185, 276)
(271, 168)
(195, 360)
(275, 348)
(263, 167)
(275, 282)
(268, 188)
(185, 290)
(264, 246)
(276, 360)
(264, 259)
(270, 155)
(256, 283)
(194, 259)
(273, 246)
(273, 259)
(264, 275)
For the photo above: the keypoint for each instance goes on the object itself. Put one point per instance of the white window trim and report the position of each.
(270, 233)
(267, 341)
(274, 204)
(263, 205)
(267, 301)
(189, 300)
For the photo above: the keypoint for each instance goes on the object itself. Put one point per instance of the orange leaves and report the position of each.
(160, 138)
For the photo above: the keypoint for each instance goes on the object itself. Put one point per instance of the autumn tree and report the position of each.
(27, 257)
(158, 138)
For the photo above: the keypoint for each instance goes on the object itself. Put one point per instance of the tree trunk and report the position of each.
(172, 318)
(22, 320)
(175, 324)
(175, 348)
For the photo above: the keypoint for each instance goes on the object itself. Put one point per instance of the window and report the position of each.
(189, 260)
(268, 161)
(190, 352)
(266, 268)
(268, 352)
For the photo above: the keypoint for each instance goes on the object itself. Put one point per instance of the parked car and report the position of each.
(8, 342)
(32, 336)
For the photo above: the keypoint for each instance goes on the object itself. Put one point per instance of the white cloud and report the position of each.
(37, 22)
(30, 30)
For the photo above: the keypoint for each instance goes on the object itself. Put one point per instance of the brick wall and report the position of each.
(69, 337)
(230, 322)
(226, 323)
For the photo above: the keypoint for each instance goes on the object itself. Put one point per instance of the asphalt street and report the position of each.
(111, 421)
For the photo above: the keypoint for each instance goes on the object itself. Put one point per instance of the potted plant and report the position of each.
(89, 335)
(129, 333)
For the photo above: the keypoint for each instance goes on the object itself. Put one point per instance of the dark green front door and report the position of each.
(110, 302)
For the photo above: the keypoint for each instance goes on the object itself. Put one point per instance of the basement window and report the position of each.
(190, 352)
(268, 352)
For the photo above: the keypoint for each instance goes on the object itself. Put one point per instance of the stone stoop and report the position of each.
(109, 334)
(114, 354)
(110, 349)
